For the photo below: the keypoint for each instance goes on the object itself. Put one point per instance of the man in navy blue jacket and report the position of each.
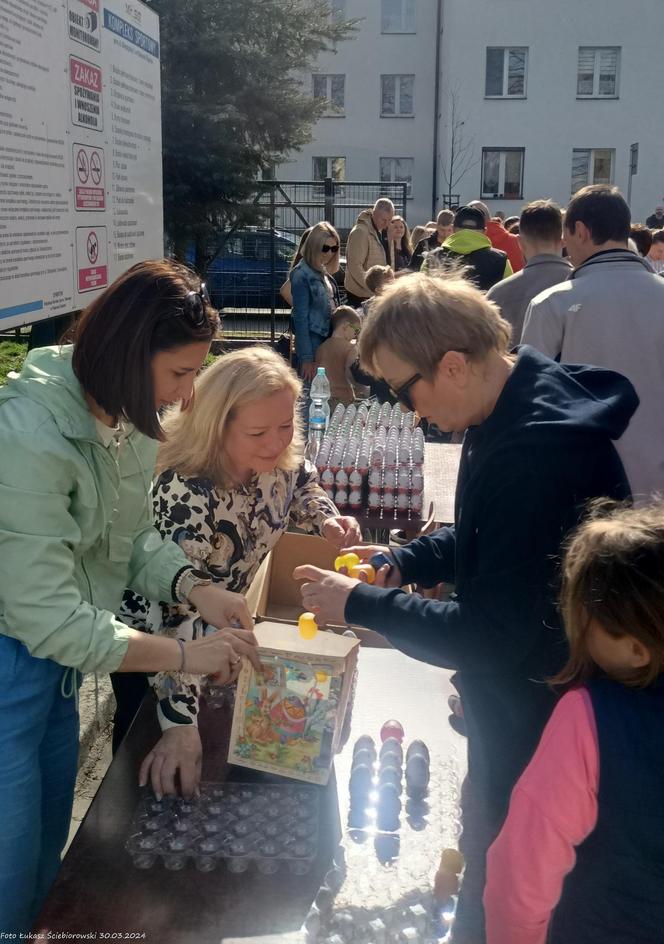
(538, 447)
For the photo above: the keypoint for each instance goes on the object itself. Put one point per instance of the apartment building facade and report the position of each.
(507, 100)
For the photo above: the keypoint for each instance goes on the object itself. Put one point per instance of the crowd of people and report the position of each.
(138, 500)
(544, 348)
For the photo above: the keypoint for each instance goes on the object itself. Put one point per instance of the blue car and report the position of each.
(241, 275)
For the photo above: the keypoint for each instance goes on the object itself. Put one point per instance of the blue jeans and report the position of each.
(39, 752)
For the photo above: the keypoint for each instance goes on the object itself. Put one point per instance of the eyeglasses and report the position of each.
(193, 306)
(402, 393)
(332, 249)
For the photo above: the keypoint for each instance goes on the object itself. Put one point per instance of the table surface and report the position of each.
(99, 890)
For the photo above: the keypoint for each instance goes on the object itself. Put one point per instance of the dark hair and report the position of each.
(146, 310)
(541, 221)
(603, 210)
(642, 237)
(344, 314)
(513, 228)
(658, 236)
(510, 221)
(613, 573)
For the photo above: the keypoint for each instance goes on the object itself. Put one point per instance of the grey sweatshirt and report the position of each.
(610, 313)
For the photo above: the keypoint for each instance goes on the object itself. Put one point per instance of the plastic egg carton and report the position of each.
(265, 825)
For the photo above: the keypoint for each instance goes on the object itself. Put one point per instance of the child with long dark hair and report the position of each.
(580, 858)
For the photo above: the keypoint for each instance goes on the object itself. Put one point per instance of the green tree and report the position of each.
(233, 105)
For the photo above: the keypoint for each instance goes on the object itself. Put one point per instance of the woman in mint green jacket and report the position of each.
(78, 438)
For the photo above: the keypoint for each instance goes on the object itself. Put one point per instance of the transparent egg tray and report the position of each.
(239, 825)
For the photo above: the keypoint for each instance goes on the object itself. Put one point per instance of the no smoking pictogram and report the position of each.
(93, 247)
(82, 167)
(95, 167)
(91, 258)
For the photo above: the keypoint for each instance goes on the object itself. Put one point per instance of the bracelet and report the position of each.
(175, 584)
(183, 656)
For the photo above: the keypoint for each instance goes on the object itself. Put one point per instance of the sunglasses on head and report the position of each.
(194, 306)
(332, 249)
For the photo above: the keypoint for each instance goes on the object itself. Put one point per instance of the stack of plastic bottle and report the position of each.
(371, 459)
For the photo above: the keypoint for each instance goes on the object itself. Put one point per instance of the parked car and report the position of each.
(241, 275)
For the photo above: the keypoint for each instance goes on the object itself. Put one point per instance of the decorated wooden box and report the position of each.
(288, 717)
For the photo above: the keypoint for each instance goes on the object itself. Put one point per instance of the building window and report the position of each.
(331, 88)
(334, 167)
(592, 166)
(597, 75)
(502, 173)
(397, 170)
(397, 16)
(506, 68)
(396, 95)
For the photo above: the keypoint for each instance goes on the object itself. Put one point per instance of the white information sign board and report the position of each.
(80, 151)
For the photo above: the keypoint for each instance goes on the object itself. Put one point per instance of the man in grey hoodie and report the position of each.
(541, 239)
(610, 313)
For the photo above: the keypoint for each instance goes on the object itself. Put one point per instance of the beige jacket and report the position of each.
(363, 250)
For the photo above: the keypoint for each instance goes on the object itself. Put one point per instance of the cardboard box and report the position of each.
(288, 717)
(274, 595)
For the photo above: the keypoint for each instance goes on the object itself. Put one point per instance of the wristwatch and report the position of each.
(186, 580)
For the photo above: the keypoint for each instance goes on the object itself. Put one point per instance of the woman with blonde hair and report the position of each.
(315, 294)
(231, 479)
(538, 445)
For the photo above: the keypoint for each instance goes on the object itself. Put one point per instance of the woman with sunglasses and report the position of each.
(315, 295)
(79, 429)
(538, 445)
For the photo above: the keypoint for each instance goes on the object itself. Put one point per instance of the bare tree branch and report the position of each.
(461, 155)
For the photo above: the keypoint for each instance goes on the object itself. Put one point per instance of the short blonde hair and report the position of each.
(422, 317)
(419, 233)
(195, 437)
(445, 218)
(378, 276)
(315, 241)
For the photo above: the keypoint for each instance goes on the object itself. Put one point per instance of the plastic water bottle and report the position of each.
(317, 425)
(319, 413)
(320, 394)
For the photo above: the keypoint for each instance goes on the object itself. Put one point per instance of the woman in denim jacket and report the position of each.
(315, 294)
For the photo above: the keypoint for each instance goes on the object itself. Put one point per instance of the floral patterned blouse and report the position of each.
(229, 534)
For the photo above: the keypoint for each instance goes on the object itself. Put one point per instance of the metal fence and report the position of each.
(253, 262)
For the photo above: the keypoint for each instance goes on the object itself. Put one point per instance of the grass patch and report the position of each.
(12, 355)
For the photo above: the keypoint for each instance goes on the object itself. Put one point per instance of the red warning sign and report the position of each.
(89, 184)
(85, 83)
(91, 258)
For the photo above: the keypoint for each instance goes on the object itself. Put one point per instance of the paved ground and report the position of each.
(96, 706)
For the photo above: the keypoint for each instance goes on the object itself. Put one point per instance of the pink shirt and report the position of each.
(552, 810)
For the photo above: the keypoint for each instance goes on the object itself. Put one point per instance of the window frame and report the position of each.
(592, 152)
(331, 110)
(505, 94)
(595, 94)
(392, 178)
(404, 30)
(329, 168)
(503, 151)
(397, 95)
